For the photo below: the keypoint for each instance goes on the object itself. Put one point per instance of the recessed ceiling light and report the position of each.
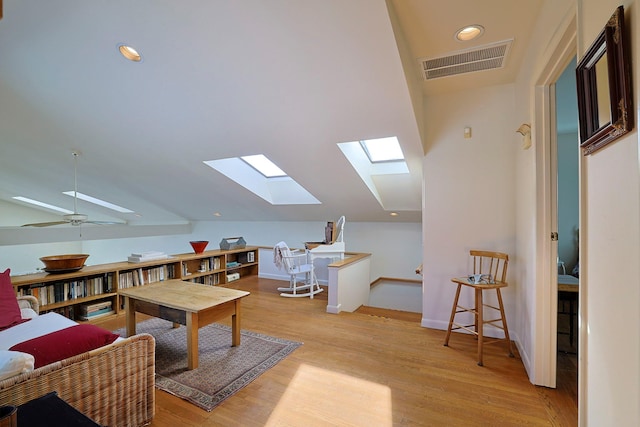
(469, 32)
(217, 214)
(394, 214)
(130, 53)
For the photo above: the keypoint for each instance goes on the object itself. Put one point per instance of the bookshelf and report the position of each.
(70, 293)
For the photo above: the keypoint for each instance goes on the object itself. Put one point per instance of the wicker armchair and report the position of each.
(113, 385)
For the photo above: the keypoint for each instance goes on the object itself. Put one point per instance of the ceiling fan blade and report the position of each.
(45, 224)
(74, 218)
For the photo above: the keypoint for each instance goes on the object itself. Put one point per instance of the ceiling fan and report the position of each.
(74, 218)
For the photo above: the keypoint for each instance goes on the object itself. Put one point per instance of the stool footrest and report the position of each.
(465, 327)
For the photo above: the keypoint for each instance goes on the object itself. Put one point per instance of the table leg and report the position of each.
(571, 313)
(192, 340)
(130, 310)
(235, 325)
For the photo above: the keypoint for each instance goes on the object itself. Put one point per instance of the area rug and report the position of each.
(222, 370)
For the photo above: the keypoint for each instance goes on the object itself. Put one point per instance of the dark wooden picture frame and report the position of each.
(604, 88)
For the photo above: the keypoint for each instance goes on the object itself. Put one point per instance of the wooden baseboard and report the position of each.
(393, 279)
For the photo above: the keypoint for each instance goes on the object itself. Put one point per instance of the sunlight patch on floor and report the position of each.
(323, 397)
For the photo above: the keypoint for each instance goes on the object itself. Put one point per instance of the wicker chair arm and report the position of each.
(29, 301)
(113, 385)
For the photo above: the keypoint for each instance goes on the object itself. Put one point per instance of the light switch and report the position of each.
(467, 132)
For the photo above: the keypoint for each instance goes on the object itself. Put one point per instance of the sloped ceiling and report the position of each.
(286, 78)
(430, 26)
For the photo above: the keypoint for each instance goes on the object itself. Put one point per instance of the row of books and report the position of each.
(211, 280)
(74, 313)
(205, 264)
(66, 291)
(142, 276)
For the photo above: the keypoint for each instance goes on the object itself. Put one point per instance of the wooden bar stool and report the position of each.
(489, 272)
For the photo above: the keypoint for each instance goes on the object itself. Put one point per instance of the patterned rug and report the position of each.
(222, 370)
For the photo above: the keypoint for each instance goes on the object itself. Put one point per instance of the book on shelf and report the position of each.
(146, 256)
(233, 264)
(97, 314)
(246, 257)
(233, 276)
(135, 259)
(87, 309)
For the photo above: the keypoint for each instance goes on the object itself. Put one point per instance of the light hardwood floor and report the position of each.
(370, 368)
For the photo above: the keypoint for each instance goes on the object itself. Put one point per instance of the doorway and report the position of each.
(567, 213)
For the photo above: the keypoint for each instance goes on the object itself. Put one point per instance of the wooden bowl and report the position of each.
(64, 263)
(199, 245)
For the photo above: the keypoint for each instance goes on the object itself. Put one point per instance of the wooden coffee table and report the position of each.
(185, 303)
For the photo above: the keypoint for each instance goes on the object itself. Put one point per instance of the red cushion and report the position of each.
(9, 309)
(65, 343)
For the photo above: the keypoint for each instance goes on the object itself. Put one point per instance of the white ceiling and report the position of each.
(286, 78)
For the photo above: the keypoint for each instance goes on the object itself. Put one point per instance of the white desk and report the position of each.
(568, 283)
(334, 251)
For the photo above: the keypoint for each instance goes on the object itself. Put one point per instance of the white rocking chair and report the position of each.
(296, 263)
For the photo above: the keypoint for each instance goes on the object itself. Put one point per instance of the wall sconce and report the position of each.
(525, 131)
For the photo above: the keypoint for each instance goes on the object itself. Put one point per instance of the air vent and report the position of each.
(481, 58)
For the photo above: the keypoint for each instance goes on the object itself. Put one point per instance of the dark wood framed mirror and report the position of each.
(604, 88)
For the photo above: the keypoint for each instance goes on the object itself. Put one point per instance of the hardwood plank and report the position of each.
(359, 369)
(391, 314)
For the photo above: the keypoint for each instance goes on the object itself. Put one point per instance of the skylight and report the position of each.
(42, 204)
(270, 183)
(382, 149)
(381, 166)
(98, 202)
(263, 165)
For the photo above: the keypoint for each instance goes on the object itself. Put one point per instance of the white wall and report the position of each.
(395, 248)
(610, 250)
(469, 193)
(396, 295)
